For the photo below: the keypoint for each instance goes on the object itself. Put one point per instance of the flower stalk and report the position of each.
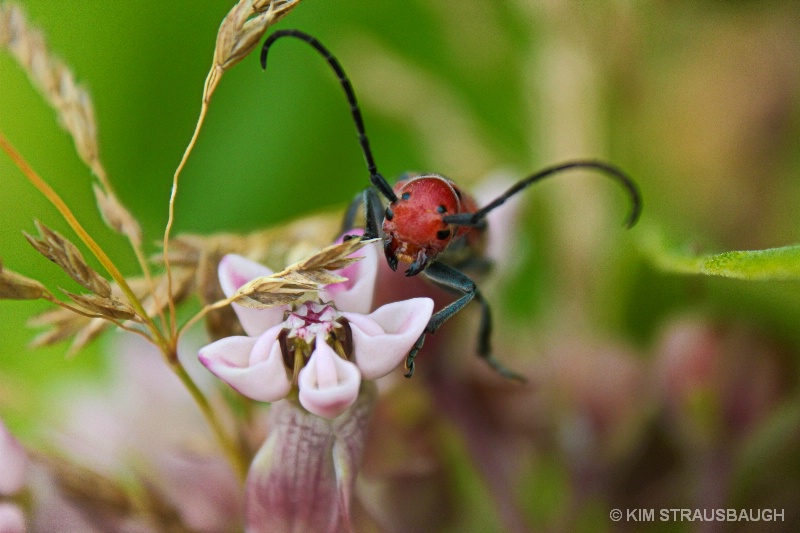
(238, 35)
(232, 451)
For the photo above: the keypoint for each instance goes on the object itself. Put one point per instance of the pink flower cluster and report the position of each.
(324, 347)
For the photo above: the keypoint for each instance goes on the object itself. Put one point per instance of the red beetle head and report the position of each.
(415, 230)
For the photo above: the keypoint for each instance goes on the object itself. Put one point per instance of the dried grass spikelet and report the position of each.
(116, 216)
(277, 245)
(297, 280)
(155, 301)
(72, 103)
(66, 255)
(54, 80)
(198, 256)
(65, 324)
(15, 286)
(240, 32)
(221, 322)
(106, 307)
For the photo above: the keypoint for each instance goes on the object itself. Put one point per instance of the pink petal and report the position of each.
(252, 366)
(13, 463)
(303, 476)
(356, 293)
(235, 271)
(383, 339)
(11, 519)
(328, 384)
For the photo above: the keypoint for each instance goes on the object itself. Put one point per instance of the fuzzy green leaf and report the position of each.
(771, 264)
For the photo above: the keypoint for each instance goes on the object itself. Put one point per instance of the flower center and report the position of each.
(304, 324)
(310, 320)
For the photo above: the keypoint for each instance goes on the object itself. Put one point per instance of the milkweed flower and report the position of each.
(315, 360)
(323, 347)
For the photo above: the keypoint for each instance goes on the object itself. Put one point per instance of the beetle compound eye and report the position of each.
(389, 214)
(443, 234)
(406, 195)
(442, 209)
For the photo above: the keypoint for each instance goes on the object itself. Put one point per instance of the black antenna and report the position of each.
(375, 177)
(473, 219)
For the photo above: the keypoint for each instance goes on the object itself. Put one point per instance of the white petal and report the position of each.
(328, 384)
(234, 271)
(382, 339)
(356, 293)
(252, 366)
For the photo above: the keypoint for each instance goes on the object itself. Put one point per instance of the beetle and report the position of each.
(432, 224)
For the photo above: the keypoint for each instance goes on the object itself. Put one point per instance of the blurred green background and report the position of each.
(698, 100)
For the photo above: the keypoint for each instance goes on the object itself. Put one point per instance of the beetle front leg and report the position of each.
(373, 211)
(373, 214)
(413, 355)
(349, 220)
(456, 281)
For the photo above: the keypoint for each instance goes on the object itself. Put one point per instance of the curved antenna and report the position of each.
(375, 177)
(473, 219)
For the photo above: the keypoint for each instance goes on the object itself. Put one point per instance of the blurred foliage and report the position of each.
(697, 100)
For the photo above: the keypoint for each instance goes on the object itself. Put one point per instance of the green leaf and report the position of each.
(771, 264)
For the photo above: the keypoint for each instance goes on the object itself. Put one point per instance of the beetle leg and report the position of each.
(456, 281)
(349, 220)
(484, 343)
(413, 355)
(373, 211)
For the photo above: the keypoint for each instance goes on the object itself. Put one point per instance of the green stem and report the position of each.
(173, 195)
(231, 450)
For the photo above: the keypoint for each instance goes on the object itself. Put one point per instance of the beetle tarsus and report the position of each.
(409, 369)
(409, 365)
(504, 371)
